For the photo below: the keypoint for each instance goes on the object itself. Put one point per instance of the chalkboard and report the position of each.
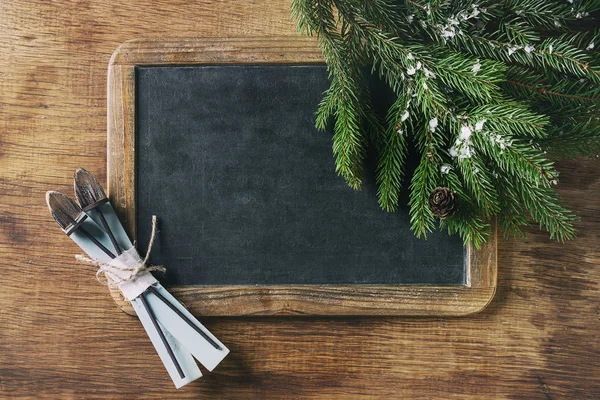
(227, 156)
(246, 188)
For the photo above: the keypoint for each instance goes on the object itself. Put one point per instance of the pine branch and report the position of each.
(542, 13)
(423, 182)
(390, 169)
(545, 207)
(349, 146)
(515, 157)
(565, 57)
(573, 139)
(519, 32)
(484, 89)
(466, 222)
(528, 85)
(512, 218)
(479, 185)
(477, 79)
(551, 53)
(511, 118)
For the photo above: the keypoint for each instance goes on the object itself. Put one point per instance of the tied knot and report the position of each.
(125, 267)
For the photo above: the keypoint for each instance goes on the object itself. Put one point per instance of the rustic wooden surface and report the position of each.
(332, 300)
(62, 337)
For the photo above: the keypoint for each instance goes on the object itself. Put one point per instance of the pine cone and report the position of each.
(442, 203)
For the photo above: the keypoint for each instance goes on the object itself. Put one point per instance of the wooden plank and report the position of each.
(62, 338)
(268, 300)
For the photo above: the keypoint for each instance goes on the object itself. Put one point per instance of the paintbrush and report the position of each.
(173, 330)
(71, 218)
(91, 196)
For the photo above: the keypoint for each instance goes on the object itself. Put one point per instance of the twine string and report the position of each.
(111, 274)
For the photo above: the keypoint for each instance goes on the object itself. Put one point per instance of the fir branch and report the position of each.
(519, 32)
(552, 52)
(349, 143)
(512, 218)
(511, 118)
(385, 12)
(479, 184)
(327, 106)
(431, 101)
(499, 82)
(470, 227)
(423, 182)
(526, 84)
(573, 139)
(516, 157)
(565, 57)
(390, 169)
(541, 13)
(475, 78)
(544, 206)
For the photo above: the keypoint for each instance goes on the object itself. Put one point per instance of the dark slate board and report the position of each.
(246, 193)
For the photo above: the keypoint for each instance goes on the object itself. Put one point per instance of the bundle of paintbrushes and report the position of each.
(93, 224)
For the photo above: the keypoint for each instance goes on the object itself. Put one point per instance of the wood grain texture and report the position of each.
(62, 337)
(335, 300)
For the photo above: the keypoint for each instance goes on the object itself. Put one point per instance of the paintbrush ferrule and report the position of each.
(77, 223)
(94, 205)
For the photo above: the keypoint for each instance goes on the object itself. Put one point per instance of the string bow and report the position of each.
(125, 267)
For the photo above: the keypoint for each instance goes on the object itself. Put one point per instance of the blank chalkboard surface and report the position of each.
(249, 204)
(246, 188)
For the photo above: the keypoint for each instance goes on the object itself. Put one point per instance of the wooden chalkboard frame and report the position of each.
(272, 299)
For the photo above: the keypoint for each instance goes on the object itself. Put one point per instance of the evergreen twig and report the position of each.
(488, 91)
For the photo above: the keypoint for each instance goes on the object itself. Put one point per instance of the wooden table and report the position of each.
(62, 337)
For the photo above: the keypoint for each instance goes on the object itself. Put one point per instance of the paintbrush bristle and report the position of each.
(64, 210)
(87, 188)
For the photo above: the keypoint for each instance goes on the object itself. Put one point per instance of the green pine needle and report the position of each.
(489, 92)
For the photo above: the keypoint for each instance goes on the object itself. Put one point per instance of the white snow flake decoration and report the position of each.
(590, 46)
(498, 140)
(479, 125)
(529, 48)
(462, 148)
(465, 132)
(433, 124)
(419, 65)
(411, 70)
(405, 116)
(445, 169)
(476, 67)
(474, 13)
(512, 49)
(400, 132)
(428, 73)
(550, 49)
(410, 18)
(449, 32)
(410, 56)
